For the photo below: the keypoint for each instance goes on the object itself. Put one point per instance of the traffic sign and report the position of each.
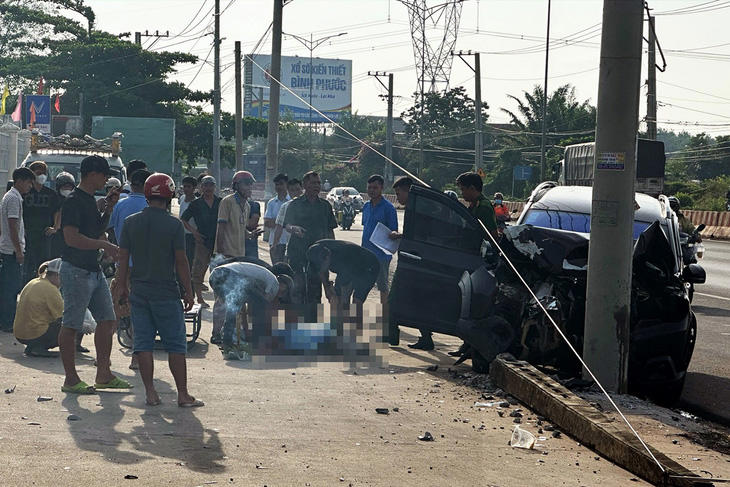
(38, 113)
(522, 173)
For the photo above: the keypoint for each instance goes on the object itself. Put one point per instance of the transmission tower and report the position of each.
(433, 59)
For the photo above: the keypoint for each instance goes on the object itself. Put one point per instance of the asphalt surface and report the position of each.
(707, 388)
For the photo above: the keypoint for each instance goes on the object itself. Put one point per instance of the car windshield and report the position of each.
(55, 168)
(574, 222)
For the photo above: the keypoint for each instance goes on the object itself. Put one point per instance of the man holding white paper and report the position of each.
(378, 210)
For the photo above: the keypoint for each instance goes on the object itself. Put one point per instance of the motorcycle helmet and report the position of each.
(242, 176)
(64, 179)
(159, 185)
(452, 194)
(498, 196)
(674, 203)
(112, 183)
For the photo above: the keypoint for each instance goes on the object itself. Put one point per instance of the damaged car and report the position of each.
(450, 279)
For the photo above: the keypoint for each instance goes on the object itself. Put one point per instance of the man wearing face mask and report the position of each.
(40, 208)
(65, 183)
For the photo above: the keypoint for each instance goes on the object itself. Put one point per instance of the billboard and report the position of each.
(331, 87)
(149, 139)
(38, 113)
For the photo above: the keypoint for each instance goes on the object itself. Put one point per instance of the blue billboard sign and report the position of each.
(522, 173)
(38, 113)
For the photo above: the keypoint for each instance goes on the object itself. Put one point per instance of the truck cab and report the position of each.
(64, 154)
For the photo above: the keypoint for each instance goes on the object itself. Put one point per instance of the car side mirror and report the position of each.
(695, 274)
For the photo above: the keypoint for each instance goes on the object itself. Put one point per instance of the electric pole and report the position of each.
(217, 95)
(608, 293)
(545, 98)
(651, 103)
(272, 156)
(478, 139)
(388, 169)
(139, 35)
(239, 108)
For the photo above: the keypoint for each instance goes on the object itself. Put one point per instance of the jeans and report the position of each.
(252, 248)
(37, 250)
(10, 286)
(257, 309)
(83, 289)
(164, 317)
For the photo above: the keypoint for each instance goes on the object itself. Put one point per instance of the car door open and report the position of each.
(440, 241)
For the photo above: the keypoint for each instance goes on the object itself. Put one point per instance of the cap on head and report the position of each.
(111, 183)
(53, 265)
(38, 166)
(207, 181)
(94, 164)
(242, 176)
(159, 185)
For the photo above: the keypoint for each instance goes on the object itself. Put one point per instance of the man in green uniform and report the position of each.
(479, 206)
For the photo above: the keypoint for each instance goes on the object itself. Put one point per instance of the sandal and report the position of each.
(80, 388)
(115, 383)
(195, 404)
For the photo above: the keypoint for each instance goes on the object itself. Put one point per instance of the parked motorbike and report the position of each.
(692, 249)
(348, 214)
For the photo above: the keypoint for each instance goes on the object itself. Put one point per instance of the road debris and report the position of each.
(34, 423)
(382, 410)
(10, 390)
(44, 398)
(73, 417)
(522, 439)
(426, 437)
(130, 477)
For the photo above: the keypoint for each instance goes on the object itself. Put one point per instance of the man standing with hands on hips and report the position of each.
(83, 283)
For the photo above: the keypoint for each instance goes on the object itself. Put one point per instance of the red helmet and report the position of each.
(242, 176)
(159, 185)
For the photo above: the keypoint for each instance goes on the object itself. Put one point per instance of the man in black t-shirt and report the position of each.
(357, 269)
(40, 206)
(82, 280)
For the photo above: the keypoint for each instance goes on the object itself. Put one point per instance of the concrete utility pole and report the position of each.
(239, 109)
(651, 84)
(545, 98)
(217, 95)
(388, 169)
(478, 139)
(272, 149)
(608, 294)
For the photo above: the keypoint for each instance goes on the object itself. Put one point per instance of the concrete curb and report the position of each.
(583, 422)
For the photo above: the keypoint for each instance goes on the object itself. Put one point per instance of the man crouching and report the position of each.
(155, 240)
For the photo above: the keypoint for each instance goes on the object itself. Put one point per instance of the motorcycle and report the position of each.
(692, 249)
(348, 214)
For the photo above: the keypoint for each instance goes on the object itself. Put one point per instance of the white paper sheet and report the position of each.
(381, 239)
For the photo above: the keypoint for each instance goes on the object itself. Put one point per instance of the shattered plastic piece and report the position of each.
(395, 410)
(130, 477)
(515, 414)
(426, 437)
(10, 390)
(504, 404)
(483, 404)
(556, 434)
(522, 439)
(44, 399)
(73, 417)
(34, 423)
(382, 410)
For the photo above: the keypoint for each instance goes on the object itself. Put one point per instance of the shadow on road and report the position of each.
(167, 431)
(711, 311)
(708, 396)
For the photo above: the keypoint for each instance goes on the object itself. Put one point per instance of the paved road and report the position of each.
(707, 390)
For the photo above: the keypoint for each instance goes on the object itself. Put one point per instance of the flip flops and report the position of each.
(115, 383)
(80, 388)
(195, 404)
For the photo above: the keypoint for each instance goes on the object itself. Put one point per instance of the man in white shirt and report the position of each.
(294, 187)
(12, 245)
(277, 249)
(189, 184)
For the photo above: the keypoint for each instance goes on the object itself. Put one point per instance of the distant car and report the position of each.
(335, 193)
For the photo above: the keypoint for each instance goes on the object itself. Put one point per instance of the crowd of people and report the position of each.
(56, 247)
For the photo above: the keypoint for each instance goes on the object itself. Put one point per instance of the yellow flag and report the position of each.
(6, 93)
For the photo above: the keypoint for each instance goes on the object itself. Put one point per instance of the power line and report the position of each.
(692, 89)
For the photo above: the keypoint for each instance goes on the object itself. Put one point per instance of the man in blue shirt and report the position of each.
(378, 210)
(133, 203)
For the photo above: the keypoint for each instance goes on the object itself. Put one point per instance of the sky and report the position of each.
(693, 92)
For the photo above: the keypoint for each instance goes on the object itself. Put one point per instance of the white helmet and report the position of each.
(113, 183)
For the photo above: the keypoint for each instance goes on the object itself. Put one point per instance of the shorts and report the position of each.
(201, 261)
(82, 289)
(159, 317)
(382, 281)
